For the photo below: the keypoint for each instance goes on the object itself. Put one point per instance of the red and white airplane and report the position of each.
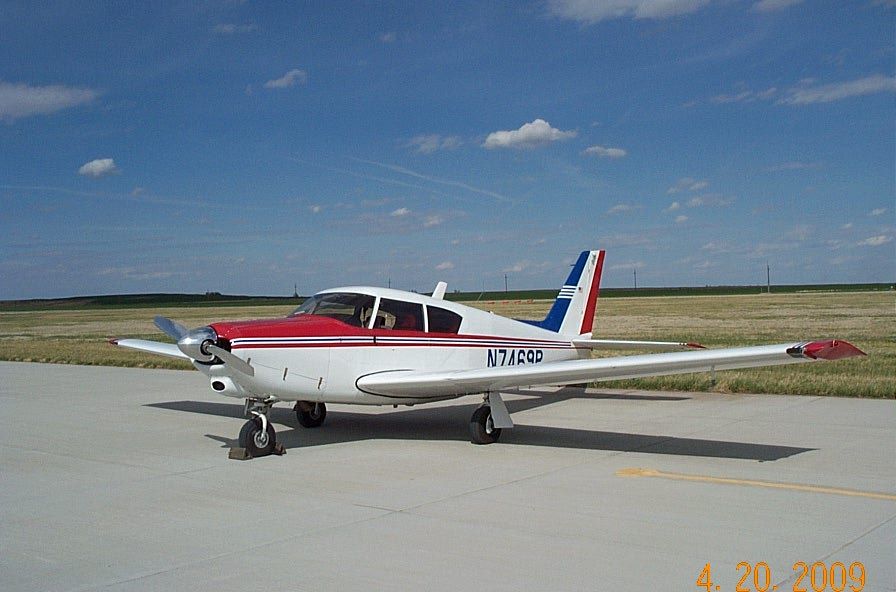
(375, 346)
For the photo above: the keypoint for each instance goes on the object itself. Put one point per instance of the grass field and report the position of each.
(867, 319)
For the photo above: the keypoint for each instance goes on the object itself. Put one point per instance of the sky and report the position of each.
(261, 147)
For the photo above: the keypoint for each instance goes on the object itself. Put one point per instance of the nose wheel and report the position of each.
(258, 437)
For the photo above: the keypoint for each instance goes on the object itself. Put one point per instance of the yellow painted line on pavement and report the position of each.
(639, 472)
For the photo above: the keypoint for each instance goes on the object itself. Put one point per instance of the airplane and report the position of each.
(366, 345)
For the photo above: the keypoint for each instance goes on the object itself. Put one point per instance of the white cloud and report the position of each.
(878, 211)
(687, 184)
(315, 209)
(22, 100)
(444, 266)
(529, 135)
(593, 11)
(632, 265)
(673, 206)
(792, 166)
(681, 219)
(231, 29)
(846, 226)
(291, 78)
(805, 94)
(875, 241)
(773, 5)
(622, 208)
(745, 96)
(388, 37)
(709, 200)
(98, 168)
(433, 220)
(429, 143)
(606, 152)
(400, 212)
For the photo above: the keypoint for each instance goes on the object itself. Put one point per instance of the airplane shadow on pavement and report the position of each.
(450, 423)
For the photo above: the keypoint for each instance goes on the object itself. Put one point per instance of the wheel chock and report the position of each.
(237, 453)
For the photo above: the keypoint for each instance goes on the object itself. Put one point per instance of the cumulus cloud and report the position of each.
(593, 11)
(709, 200)
(232, 29)
(878, 211)
(773, 5)
(315, 209)
(98, 168)
(687, 184)
(291, 78)
(433, 220)
(429, 143)
(875, 241)
(603, 152)
(681, 219)
(400, 212)
(806, 94)
(529, 135)
(673, 206)
(22, 100)
(622, 208)
(445, 266)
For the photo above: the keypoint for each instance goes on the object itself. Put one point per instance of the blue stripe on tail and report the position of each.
(554, 320)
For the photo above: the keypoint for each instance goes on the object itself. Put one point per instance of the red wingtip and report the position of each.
(113, 341)
(695, 346)
(832, 349)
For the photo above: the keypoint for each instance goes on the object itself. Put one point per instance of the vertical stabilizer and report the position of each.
(573, 310)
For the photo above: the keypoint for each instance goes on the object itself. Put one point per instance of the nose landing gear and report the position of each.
(258, 437)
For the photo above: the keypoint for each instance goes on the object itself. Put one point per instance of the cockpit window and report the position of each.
(354, 309)
(398, 315)
(443, 321)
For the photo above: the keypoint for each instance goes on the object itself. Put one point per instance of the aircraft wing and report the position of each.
(410, 383)
(628, 344)
(153, 347)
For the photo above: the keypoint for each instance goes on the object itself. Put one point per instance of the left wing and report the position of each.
(411, 383)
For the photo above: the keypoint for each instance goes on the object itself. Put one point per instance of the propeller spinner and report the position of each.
(200, 344)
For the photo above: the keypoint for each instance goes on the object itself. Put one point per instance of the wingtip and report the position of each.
(831, 349)
(113, 340)
(695, 346)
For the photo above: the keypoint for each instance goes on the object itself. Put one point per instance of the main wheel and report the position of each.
(313, 418)
(256, 441)
(482, 428)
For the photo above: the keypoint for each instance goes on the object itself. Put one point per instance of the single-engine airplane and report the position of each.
(376, 346)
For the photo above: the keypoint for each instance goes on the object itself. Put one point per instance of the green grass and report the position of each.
(867, 319)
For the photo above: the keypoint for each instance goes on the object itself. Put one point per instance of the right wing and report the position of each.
(413, 383)
(628, 344)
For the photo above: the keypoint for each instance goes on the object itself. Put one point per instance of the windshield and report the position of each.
(354, 309)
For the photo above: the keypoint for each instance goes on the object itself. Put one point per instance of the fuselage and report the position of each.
(318, 354)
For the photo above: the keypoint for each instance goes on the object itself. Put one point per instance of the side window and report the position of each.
(443, 321)
(398, 315)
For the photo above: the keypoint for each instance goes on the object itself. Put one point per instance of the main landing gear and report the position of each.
(310, 415)
(489, 419)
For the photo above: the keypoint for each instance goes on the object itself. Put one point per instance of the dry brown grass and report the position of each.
(866, 319)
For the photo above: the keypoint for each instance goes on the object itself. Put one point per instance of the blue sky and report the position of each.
(245, 147)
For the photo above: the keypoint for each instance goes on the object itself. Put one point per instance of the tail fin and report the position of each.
(573, 310)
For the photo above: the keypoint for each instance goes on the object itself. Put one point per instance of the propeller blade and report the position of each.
(238, 364)
(170, 328)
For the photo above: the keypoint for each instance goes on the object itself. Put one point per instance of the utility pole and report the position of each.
(768, 278)
(390, 283)
(635, 271)
(505, 282)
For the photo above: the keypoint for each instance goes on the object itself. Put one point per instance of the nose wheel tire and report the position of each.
(257, 441)
(482, 429)
(313, 416)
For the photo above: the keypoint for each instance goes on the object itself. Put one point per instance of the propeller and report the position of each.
(172, 329)
(238, 364)
(199, 344)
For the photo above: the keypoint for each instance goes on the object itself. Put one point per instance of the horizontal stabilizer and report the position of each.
(622, 344)
(153, 347)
